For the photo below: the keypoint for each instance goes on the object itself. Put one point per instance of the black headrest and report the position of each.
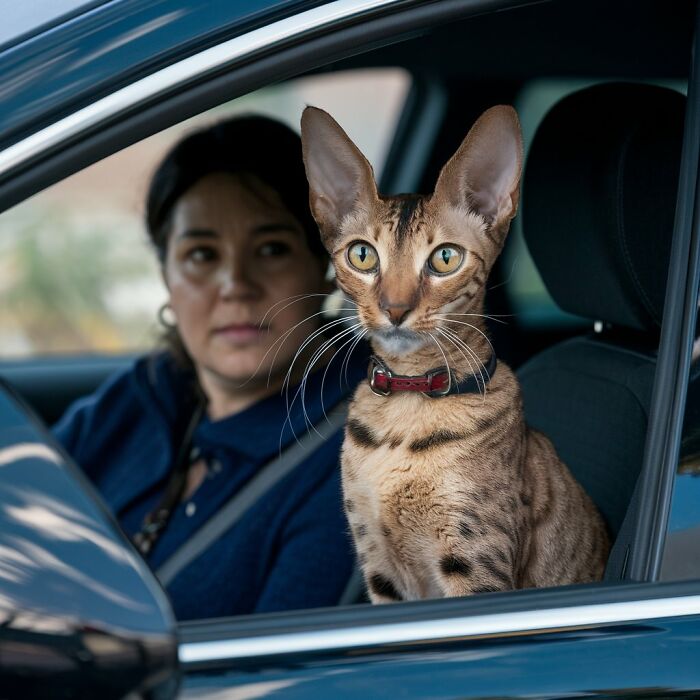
(599, 198)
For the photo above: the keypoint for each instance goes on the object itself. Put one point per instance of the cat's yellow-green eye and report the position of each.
(445, 259)
(363, 256)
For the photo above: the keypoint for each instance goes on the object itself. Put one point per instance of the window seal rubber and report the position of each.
(670, 383)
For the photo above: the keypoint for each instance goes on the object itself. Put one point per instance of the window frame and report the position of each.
(238, 66)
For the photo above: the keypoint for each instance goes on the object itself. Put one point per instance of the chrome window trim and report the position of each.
(458, 628)
(216, 57)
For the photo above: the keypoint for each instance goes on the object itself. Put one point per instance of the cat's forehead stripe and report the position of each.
(404, 213)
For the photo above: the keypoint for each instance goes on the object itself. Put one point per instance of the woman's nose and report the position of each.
(237, 282)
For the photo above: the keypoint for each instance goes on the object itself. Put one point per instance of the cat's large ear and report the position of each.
(341, 180)
(484, 173)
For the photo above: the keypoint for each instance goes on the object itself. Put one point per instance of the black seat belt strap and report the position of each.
(232, 511)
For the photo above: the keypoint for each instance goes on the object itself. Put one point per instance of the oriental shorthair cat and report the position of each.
(446, 489)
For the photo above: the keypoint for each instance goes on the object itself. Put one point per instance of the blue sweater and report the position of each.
(290, 550)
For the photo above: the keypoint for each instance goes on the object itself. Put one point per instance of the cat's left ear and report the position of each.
(484, 173)
(341, 180)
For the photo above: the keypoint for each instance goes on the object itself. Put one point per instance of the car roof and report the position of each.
(22, 20)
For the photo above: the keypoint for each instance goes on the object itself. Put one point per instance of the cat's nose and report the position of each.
(396, 312)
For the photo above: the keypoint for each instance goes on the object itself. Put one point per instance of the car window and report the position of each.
(76, 272)
(681, 557)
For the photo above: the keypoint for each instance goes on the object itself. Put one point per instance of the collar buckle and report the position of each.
(443, 391)
(379, 371)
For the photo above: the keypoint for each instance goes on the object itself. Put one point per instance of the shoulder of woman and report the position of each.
(123, 397)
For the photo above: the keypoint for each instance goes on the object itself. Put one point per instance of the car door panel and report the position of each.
(77, 604)
(574, 659)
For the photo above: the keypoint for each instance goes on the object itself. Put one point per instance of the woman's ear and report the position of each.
(341, 180)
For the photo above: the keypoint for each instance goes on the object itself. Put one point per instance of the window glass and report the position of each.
(76, 274)
(681, 559)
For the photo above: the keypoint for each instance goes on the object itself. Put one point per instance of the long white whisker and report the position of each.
(346, 362)
(295, 299)
(289, 404)
(309, 339)
(471, 368)
(512, 270)
(288, 333)
(464, 323)
(281, 340)
(497, 318)
(350, 331)
(448, 333)
(447, 364)
(302, 386)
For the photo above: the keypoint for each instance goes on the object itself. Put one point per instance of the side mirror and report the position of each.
(81, 615)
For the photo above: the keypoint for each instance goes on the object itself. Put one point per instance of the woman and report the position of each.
(175, 438)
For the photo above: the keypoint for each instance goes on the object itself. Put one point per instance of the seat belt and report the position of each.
(355, 591)
(233, 510)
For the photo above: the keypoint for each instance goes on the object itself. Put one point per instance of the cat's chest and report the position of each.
(392, 440)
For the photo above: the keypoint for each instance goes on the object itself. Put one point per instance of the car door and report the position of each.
(637, 639)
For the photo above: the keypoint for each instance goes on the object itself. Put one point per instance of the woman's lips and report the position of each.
(241, 333)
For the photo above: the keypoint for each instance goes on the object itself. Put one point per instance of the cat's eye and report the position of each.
(445, 259)
(363, 256)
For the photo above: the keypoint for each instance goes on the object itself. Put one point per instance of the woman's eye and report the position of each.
(201, 254)
(273, 249)
(363, 256)
(445, 259)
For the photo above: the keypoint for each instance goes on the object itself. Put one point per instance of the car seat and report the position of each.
(599, 198)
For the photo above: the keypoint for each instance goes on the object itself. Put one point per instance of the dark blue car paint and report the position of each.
(71, 65)
(636, 660)
(75, 599)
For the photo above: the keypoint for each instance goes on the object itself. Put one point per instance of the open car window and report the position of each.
(78, 274)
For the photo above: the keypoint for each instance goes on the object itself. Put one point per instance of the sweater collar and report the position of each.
(264, 428)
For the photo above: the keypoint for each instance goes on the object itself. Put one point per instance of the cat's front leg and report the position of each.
(463, 572)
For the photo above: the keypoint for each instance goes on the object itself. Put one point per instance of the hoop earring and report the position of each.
(166, 316)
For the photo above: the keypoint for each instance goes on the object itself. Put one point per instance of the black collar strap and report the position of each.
(438, 382)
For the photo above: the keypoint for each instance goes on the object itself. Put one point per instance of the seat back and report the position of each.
(599, 198)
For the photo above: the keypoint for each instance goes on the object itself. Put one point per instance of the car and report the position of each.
(610, 371)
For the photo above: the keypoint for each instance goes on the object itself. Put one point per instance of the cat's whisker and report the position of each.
(295, 298)
(497, 318)
(481, 367)
(464, 323)
(466, 346)
(346, 362)
(482, 387)
(302, 386)
(281, 340)
(506, 281)
(309, 339)
(329, 324)
(350, 331)
(435, 340)
(289, 405)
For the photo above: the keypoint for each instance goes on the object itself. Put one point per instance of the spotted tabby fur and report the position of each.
(454, 495)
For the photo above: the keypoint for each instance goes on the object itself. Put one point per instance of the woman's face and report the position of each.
(236, 265)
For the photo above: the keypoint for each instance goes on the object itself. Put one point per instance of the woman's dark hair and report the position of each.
(248, 144)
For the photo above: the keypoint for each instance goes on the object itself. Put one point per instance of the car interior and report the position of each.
(600, 92)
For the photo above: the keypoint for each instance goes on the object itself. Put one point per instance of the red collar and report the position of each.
(438, 382)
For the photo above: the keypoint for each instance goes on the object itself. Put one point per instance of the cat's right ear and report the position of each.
(341, 180)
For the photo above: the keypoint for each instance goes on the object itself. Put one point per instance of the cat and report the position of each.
(450, 494)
